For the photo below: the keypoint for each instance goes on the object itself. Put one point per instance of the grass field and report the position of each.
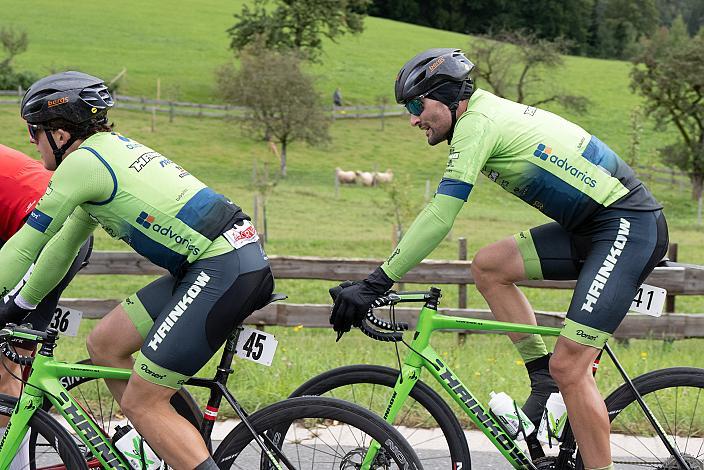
(183, 49)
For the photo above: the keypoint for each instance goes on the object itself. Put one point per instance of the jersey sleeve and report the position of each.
(81, 178)
(472, 145)
(430, 227)
(57, 256)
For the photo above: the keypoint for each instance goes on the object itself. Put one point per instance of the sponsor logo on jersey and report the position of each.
(148, 221)
(39, 220)
(607, 266)
(143, 159)
(145, 220)
(530, 111)
(57, 102)
(544, 152)
(178, 310)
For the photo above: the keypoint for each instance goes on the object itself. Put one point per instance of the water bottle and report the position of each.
(552, 424)
(510, 415)
(135, 449)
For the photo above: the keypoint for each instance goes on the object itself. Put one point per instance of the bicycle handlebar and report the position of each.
(14, 356)
(396, 328)
(10, 331)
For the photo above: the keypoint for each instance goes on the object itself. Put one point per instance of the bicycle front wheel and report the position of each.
(54, 447)
(425, 421)
(675, 396)
(315, 433)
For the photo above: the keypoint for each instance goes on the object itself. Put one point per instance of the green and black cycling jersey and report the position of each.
(136, 194)
(609, 231)
(547, 161)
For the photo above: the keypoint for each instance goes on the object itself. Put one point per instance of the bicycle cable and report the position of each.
(392, 317)
(24, 382)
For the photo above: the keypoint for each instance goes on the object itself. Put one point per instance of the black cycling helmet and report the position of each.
(434, 69)
(429, 70)
(71, 100)
(72, 97)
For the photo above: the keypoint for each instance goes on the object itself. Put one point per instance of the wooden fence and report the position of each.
(218, 111)
(680, 280)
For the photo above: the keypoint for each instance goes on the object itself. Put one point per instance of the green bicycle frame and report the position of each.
(44, 382)
(423, 356)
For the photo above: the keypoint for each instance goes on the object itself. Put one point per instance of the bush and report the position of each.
(11, 80)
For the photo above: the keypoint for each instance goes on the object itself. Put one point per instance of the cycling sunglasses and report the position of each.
(33, 130)
(415, 106)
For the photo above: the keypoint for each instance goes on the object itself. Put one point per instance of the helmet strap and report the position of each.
(58, 151)
(453, 110)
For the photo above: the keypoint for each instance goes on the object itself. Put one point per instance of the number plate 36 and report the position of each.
(256, 346)
(66, 320)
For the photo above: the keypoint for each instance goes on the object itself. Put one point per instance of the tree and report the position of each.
(282, 104)
(513, 63)
(618, 25)
(14, 42)
(296, 24)
(669, 73)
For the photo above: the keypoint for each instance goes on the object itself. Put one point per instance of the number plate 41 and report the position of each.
(649, 300)
(256, 346)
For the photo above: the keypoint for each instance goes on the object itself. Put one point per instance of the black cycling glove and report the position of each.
(353, 299)
(10, 312)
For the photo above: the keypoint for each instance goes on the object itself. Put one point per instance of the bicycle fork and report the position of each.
(404, 384)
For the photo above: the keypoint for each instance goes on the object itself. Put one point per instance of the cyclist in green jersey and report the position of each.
(217, 272)
(609, 231)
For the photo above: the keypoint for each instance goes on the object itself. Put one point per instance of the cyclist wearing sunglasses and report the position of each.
(608, 231)
(217, 272)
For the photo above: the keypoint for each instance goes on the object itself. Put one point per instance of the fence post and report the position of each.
(171, 111)
(670, 299)
(462, 288)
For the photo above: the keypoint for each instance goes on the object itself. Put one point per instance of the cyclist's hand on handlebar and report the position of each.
(10, 312)
(353, 299)
(335, 291)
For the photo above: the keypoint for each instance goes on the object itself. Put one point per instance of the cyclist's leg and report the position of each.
(495, 269)
(122, 331)
(625, 247)
(209, 301)
(543, 252)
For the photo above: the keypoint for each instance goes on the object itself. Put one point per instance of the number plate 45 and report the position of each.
(256, 346)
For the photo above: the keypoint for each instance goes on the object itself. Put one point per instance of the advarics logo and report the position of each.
(145, 219)
(545, 153)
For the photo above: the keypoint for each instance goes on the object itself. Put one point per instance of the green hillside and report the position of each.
(182, 45)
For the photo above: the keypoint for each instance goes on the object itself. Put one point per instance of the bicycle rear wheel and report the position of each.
(316, 433)
(54, 448)
(675, 396)
(425, 421)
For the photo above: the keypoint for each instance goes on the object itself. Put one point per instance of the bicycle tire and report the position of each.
(439, 414)
(58, 448)
(301, 421)
(658, 388)
(95, 402)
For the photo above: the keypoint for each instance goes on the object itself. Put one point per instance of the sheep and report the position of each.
(385, 177)
(365, 178)
(345, 177)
